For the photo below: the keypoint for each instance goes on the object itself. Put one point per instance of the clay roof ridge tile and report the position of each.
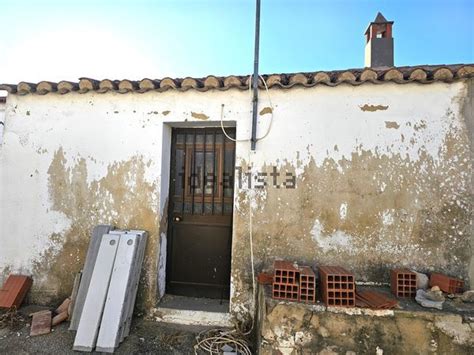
(356, 76)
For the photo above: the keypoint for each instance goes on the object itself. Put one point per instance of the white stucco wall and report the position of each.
(100, 130)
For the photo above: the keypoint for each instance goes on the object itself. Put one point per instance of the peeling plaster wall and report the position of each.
(382, 177)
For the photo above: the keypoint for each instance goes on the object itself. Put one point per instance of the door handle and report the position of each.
(177, 218)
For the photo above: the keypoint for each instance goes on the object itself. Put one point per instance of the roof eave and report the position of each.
(423, 74)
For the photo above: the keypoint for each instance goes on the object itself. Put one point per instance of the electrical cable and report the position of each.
(214, 340)
(271, 118)
(252, 263)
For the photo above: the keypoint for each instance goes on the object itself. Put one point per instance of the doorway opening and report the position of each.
(200, 213)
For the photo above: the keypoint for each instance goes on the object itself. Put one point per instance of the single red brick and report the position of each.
(14, 290)
(337, 286)
(403, 283)
(41, 323)
(446, 283)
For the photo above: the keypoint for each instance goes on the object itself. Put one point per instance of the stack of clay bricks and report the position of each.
(446, 283)
(293, 283)
(403, 283)
(337, 286)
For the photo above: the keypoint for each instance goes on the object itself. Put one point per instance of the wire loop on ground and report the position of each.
(213, 341)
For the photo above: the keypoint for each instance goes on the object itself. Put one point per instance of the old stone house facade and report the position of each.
(368, 169)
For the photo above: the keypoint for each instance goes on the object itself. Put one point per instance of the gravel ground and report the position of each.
(146, 337)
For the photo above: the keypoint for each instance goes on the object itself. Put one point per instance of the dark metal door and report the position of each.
(200, 210)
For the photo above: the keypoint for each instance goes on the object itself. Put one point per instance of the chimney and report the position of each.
(379, 43)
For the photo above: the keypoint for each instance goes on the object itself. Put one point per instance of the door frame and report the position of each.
(165, 188)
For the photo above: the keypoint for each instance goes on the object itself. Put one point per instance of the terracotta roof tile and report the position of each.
(107, 85)
(424, 74)
(65, 87)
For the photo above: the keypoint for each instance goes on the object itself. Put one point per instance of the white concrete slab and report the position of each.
(94, 303)
(116, 304)
(89, 263)
(143, 236)
(134, 280)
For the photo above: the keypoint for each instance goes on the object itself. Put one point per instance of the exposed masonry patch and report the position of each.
(289, 328)
(392, 124)
(200, 116)
(265, 110)
(330, 242)
(373, 108)
(165, 113)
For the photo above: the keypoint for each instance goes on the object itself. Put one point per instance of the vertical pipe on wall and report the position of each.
(255, 77)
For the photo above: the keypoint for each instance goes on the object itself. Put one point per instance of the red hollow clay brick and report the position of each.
(14, 290)
(285, 281)
(337, 286)
(446, 283)
(403, 283)
(285, 272)
(307, 285)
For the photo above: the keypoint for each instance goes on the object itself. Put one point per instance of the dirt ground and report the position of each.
(146, 337)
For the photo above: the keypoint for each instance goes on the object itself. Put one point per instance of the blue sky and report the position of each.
(55, 40)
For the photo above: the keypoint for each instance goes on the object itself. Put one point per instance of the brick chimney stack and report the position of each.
(379, 43)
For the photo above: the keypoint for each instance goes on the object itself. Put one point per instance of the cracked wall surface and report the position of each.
(291, 328)
(370, 177)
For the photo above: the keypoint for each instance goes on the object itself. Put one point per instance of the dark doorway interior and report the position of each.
(200, 212)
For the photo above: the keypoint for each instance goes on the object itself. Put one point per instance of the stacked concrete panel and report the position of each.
(337, 286)
(94, 302)
(110, 298)
(403, 283)
(446, 283)
(86, 275)
(285, 281)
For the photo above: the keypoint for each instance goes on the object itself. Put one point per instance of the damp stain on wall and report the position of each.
(392, 124)
(200, 116)
(397, 212)
(373, 108)
(122, 198)
(265, 111)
